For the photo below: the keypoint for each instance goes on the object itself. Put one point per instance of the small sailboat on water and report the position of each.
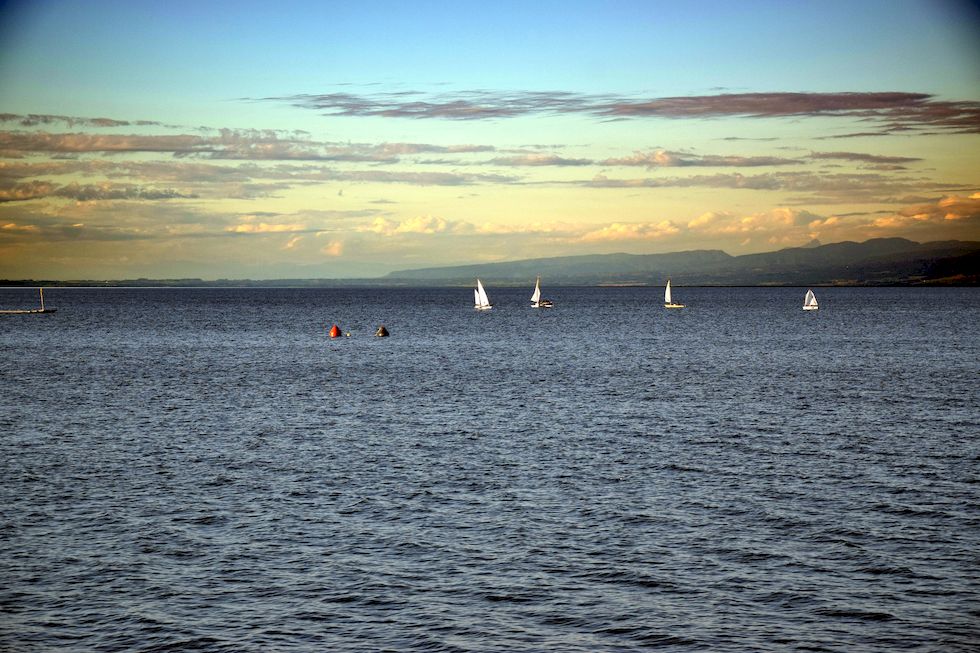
(32, 310)
(668, 303)
(480, 300)
(810, 302)
(536, 301)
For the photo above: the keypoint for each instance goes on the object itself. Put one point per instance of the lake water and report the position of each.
(204, 469)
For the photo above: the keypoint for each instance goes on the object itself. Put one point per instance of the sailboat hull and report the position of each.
(674, 306)
(809, 308)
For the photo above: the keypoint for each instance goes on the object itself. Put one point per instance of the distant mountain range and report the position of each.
(881, 261)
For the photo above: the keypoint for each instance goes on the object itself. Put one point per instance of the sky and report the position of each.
(334, 139)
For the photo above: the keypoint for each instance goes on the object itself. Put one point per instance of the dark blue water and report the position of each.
(203, 469)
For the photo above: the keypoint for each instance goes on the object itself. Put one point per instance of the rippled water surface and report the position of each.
(203, 469)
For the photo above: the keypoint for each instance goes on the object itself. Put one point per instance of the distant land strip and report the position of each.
(876, 262)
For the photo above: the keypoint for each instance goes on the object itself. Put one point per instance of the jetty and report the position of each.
(30, 310)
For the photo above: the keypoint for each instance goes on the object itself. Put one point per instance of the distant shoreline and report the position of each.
(417, 283)
(876, 262)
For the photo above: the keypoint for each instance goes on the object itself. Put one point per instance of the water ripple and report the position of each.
(202, 470)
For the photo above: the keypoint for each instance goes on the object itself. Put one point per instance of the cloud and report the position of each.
(735, 180)
(892, 111)
(15, 171)
(13, 227)
(406, 177)
(728, 223)
(291, 173)
(469, 105)
(428, 225)
(557, 229)
(778, 227)
(223, 143)
(29, 191)
(709, 219)
(120, 221)
(264, 228)
(334, 248)
(33, 120)
(953, 208)
(382, 153)
(86, 192)
(619, 231)
(767, 104)
(229, 144)
(109, 191)
(667, 159)
(79, 142)
(953, 216)
(539, 160)
(816, 188)
(425, 148)
(851, 135)
(53, 229)
(864, 158)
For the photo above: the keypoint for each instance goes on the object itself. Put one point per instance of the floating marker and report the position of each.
(335, 331)
(382, 332)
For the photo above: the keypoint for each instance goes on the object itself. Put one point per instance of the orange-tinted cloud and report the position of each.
(265, 228)
(427, 225)
(632, 231)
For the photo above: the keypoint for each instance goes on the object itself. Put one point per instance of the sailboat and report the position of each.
(480, 300)
(810, 303)
(667, 301)
(33, 310)
(536, 301)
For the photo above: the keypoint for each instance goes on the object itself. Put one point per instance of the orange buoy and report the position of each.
(335, 331)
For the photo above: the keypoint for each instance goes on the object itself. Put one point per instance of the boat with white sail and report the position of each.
(810, 301)
(480, 300)
(536, 301)
(668, 303)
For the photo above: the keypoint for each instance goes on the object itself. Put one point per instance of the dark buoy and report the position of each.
(335, 331)
(382, 332)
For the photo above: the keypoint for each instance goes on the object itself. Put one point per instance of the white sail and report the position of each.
(476, 297)
(810, 303)
(668, 301)
(536, 296)
(482, 301)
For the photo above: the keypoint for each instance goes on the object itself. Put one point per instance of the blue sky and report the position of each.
(350, 139)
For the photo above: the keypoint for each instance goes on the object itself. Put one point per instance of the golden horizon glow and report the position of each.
(239, 179)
